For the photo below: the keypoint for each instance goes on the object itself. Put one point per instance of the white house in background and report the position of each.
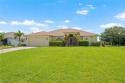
(43, 38)
(12, 41)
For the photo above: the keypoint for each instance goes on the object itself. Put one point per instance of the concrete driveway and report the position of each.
(14, 49)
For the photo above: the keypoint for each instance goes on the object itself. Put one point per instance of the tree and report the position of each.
(2, 36)
(76, 38)
(115, 35)
(18, 35)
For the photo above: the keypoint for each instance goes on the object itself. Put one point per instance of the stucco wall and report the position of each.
(12, 41)
(44, 40)
(38, 40)
(89, 38)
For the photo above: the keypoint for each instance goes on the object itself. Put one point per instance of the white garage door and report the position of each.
(38, 41)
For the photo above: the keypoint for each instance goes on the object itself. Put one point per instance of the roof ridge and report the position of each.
(60, 32)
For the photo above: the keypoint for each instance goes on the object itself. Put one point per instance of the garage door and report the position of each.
(38, 41)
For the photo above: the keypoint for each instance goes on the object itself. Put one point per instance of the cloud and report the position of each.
(35, 29)
(2, 22)
(85, 10)
(66, 27)
(120, 16)
(32, 22)
(82, 12)
(63, 27)
(29, 22)
(66, 21)
(41, 25)
(79, 3)
(110, 25)
(90, 6)
(78, 28)
(49, 21)
(15, 23)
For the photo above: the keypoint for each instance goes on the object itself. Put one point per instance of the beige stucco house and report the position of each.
(43, 38)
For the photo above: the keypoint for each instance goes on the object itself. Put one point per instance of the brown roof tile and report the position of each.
(60, 32)
(39, 33)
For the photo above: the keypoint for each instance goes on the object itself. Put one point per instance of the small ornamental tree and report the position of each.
(76, 38)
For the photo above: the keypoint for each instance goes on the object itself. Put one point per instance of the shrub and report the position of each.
(96, 43)
(57, 43)
(83, 43)
(4, 41)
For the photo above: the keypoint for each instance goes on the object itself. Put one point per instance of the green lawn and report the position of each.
(64, 65)
(5, 47)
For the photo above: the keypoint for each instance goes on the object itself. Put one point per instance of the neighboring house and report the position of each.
(43, 38)
(12, 41)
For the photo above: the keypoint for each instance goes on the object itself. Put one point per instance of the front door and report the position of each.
(71, 41)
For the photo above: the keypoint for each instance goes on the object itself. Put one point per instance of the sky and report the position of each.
(45, 15)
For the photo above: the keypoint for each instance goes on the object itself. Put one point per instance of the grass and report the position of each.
(5, 47)
(64, 65)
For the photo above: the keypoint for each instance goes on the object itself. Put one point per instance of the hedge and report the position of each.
(83, 43)
(56, 43)
(96, 43)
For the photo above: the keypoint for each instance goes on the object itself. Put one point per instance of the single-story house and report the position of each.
(43, 38)
(9, 36)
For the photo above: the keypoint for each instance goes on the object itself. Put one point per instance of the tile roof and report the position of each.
(61, 32)
(39, 33)
(11, 35)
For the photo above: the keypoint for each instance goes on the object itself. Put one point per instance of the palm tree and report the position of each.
(18, 34)
(2, 36)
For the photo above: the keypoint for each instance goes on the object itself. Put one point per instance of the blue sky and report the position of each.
(45, 15)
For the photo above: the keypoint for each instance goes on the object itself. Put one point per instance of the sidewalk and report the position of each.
(14, 49)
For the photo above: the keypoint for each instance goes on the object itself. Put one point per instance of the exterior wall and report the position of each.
(12, 41)
(38, 40)
(44, 40)
(89, 38)
(94, 38)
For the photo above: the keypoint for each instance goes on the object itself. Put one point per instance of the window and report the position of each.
(22, 40)
(58, 38)
(81, 38)
(70, 35)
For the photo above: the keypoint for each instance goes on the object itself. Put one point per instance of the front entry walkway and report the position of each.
(14, 49)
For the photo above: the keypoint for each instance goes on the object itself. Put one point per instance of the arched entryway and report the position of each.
(70, 38)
